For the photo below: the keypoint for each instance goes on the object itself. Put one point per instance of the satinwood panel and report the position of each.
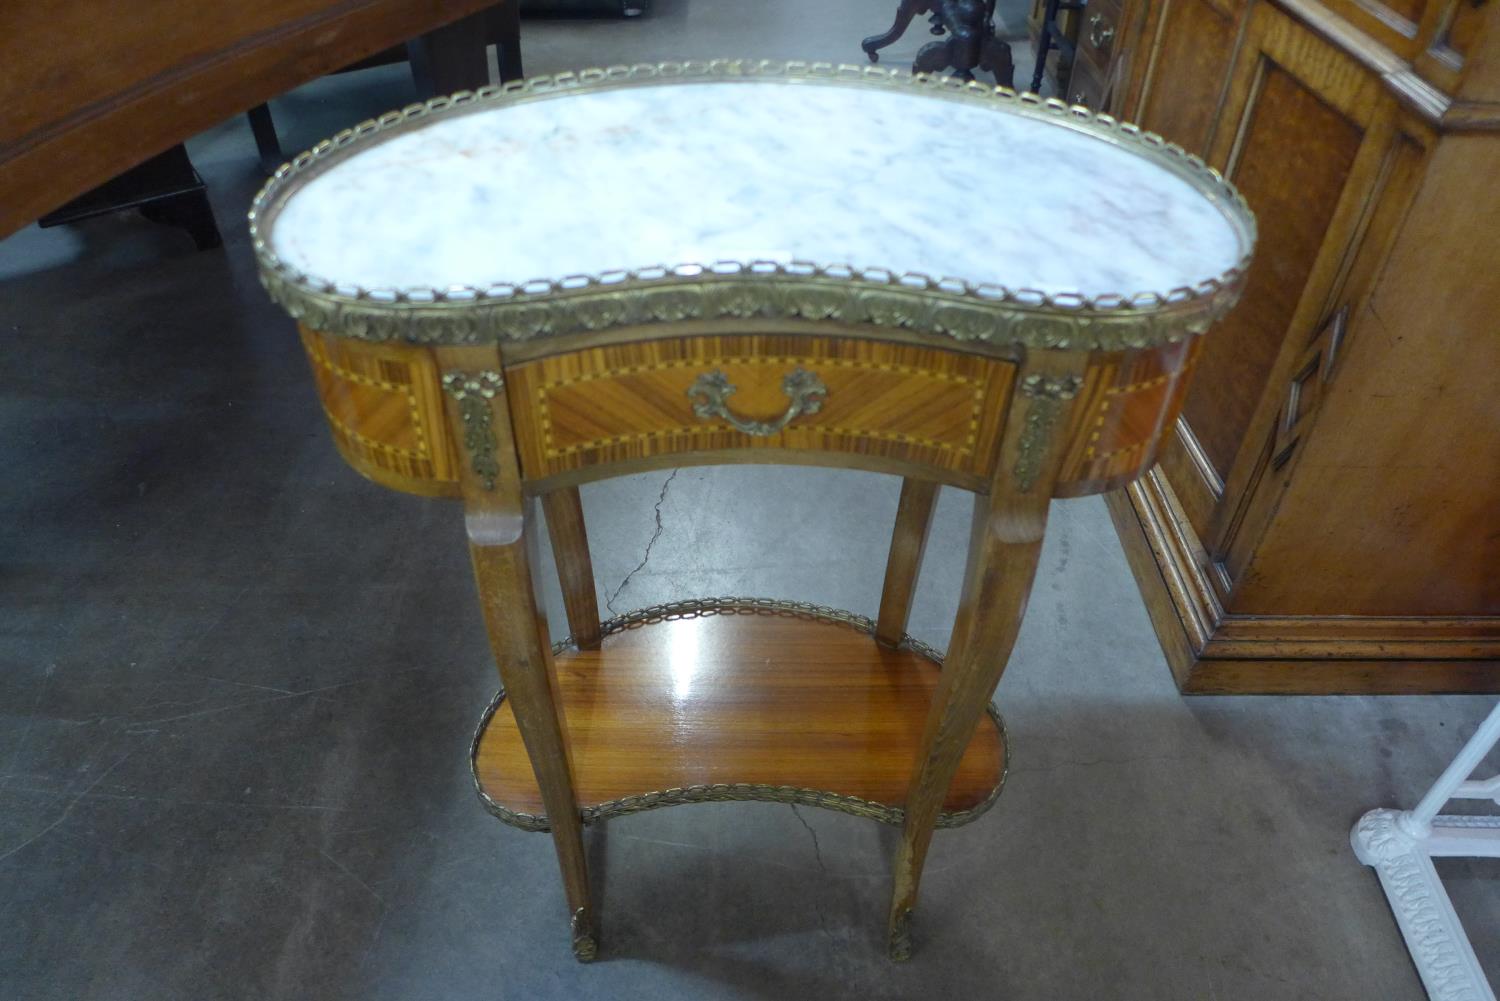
(771, 699)
(1294, 157)
(1398, 510)
(1187, 71)
(603, 405)
(385, 410)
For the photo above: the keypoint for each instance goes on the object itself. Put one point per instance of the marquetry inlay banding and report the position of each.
(974, 387)
(1111, 399)
(1125, 408)
(879, 404)
(379, 408)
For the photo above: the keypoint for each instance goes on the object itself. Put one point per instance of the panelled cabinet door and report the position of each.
(1181, 71)
(1302, 131)
(1307, 377)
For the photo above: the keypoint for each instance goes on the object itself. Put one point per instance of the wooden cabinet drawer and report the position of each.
(889, 405)
(384, 405)
(1126, 407)
(1086, 86)
(1096, 36)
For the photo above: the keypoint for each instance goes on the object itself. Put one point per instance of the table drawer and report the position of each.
(888, 405)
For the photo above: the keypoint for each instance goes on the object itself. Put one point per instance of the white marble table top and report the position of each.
(673, 173)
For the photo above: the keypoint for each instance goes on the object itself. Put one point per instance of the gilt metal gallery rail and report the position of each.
(740, 290)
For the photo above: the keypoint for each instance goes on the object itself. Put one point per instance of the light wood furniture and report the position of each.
(1327, 517)
(107, 86)
(498, 395)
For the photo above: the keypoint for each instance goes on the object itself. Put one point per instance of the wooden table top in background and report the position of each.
(91, 91)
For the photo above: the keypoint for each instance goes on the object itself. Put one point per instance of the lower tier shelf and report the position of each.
(738, 699)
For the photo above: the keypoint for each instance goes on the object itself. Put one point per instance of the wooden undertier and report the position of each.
(738, 702)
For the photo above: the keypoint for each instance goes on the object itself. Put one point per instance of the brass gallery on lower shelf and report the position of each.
(724, 792)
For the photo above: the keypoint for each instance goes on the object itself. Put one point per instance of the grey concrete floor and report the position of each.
(238, 682)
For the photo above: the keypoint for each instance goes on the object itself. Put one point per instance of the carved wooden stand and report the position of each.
(971, 43)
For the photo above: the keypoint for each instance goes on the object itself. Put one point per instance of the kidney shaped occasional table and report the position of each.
(903, 274)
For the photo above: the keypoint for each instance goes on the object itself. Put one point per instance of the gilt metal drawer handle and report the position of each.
(1100, 33)
(709, 391)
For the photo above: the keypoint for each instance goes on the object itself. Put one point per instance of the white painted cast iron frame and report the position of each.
(1401, 844)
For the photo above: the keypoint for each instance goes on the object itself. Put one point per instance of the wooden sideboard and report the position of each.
(1327, 518)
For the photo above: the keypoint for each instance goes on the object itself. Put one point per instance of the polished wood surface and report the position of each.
(769, 699)
(908, 543)
(381, 398)
(1127, 407)
(606, 405)
(501, 524)
(1293, 221)
(676, 706)
(1214, 652)
(94, 88)
(1430, 448)
(757, 700)
(1093, 78)
(1324, 518)
(1182, 77)
(575, 570)
(1005, 543)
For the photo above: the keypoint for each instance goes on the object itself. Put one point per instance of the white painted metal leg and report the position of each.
(1400, 846)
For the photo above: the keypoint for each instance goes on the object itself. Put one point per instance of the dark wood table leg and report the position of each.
(505, 31)
(907, 10)
(267, 144)
(1043, 44)
(164, 189)
(451, 58)
(190, 212)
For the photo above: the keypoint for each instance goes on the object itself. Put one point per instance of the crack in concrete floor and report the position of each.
(650, 544)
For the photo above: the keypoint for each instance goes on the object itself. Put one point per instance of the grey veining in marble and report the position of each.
(743, 171)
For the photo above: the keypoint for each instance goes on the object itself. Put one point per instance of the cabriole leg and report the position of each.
(1004, 546)
(908, 542)
(502, 529)
(575, 571)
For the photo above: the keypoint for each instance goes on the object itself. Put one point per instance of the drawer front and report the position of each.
(385, 410)
(876, 402)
